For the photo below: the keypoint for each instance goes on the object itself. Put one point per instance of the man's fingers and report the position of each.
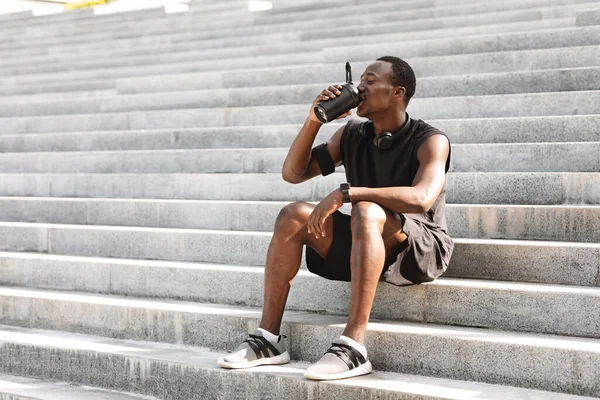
(322, 226)
(345, 115)
(335, 89)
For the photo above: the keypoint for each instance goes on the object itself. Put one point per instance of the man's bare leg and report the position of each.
(375, 233)
(284, 257)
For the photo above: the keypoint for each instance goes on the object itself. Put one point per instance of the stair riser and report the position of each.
(183, 79)
(576, 264)
(495, 130)
(519, 83)
(412, 353)
(463, 188)
(450, 302)
(525, 105)
(463, 45)
(44, 48)
(580, 157)
(570, 224)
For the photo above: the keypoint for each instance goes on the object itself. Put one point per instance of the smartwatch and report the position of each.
(345, 188)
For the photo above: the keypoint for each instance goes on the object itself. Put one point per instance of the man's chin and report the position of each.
(361, 112)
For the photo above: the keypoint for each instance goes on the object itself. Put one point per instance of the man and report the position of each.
(396, 173)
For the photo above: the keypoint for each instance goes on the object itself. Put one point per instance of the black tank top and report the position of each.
(368, 166)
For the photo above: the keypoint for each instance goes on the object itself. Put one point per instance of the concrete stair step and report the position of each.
(143, 79)
(59, 90)
(183, 45)
(509, 41)
(157, 117)
(527, 307)
(481, 67)
(191, 373)
(236, 23)
(46, 47)
(72, 23)
(556, 129)
(502, 257)
(39, 95)
(21, 388)
(543, 188)
(588, 17)
(526, 82)
(282, 48)
(497, 61)
(533, 157)
(426, 11)
(554, 223)
(206, 282)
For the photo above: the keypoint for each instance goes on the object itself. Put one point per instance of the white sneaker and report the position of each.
(340, 361)
(256, 350)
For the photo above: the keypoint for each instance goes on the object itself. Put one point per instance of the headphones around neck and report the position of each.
(383, 140)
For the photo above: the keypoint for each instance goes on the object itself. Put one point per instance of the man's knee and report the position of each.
(367, 215)
(293, 214)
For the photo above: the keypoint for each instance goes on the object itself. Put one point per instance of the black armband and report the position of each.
(321, 154)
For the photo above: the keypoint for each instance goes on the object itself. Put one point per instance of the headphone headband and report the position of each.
(383, 140)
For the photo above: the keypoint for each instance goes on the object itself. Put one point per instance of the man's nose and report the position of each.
(361, 88)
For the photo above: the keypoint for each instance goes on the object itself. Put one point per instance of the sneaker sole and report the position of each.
(364, 369)
(283, 358)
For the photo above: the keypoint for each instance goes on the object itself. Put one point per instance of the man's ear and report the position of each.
(400, 91)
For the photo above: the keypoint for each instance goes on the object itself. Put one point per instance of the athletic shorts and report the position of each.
(422, 257)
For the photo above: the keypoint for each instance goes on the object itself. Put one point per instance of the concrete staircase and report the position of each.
(140, 177)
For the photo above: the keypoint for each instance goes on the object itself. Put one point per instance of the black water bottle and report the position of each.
(328, 110)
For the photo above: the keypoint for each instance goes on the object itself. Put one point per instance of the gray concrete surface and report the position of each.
(308, 70)
(554, 223)
(553, 309)
(22, 388)
(589, 16)
(283, 48)
(38, 49)
(574, 262)
(521, 77)
(564, 80)
(559, 129)
(518, 157)
(492, 106)
(463, 188)
(183, 372)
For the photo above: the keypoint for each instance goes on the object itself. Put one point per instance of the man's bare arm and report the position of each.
(427, 185)
(298, 165)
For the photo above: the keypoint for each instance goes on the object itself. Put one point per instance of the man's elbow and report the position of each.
(424, 202)
(290, 178)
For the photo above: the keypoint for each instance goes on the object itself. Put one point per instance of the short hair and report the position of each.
(402, 75)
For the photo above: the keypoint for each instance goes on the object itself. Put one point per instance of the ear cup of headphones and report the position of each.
(383, 141)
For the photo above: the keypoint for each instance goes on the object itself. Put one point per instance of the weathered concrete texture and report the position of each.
(521, 105)
(431, 73)
(463, 188)
(485, 130)
(174, 372)
(546, 261)
(282, 48)
(566, 80)
(20, 388)
(554, 223)
(198, 37)
(555, 309)
(184, 76)
(538, 157)
(550, 38)
(240, 24)
(589, 16)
